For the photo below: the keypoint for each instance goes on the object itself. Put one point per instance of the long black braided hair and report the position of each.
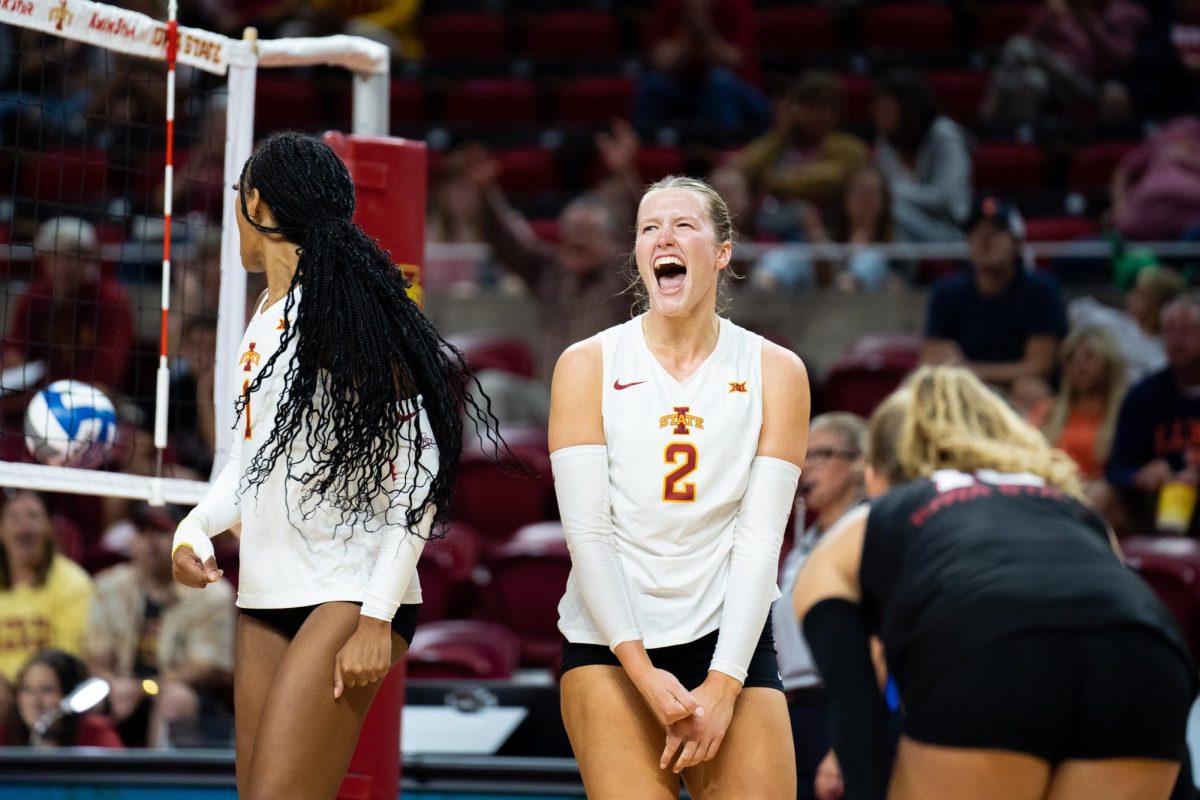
(361, 343)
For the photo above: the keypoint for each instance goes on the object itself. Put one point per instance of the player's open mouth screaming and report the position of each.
(669, 273)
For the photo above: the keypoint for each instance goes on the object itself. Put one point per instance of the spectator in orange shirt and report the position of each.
(1082, 417)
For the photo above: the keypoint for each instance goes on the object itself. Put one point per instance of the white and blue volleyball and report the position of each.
(70, 423)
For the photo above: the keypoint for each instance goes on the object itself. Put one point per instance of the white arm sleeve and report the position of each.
(402, 544)
(581, 484)
(754, 563)
(219, 509)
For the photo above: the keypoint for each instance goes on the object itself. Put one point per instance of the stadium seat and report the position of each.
(959, 93)
(595, 100)
(1000, 21)
(911, 26)
(790, 28)
(1171, 565)
(545, 229)
(1092, 166)
(282, 103)
(447, 565)
(869, 370)
(1008, 167)
(69, 539)
(406, 104)
(493, 102)
(654, 162)
(571, 34)
(486, 351)
(528, 578)
(1059, 229)
(527, 170)
(467, 35)
(856, 99)
(498, 492)
(463, 649)
(68, 176)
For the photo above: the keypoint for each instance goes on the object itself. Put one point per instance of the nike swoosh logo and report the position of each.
(619, 386)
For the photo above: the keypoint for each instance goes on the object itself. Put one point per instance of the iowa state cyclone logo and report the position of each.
(682, 420)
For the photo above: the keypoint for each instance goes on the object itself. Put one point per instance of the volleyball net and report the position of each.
(116, 271)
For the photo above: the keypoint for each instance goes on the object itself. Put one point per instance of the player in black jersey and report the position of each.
(1032, 663)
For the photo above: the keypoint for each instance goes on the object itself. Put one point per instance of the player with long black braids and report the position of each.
(344, 456)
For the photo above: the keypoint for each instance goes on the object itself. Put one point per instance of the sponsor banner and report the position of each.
(117, 29)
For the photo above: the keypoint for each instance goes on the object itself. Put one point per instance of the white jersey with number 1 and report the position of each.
(679, 455)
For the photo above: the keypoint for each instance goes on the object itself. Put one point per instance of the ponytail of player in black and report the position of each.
(360, 339)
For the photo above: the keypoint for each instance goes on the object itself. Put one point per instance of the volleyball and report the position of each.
(70, 423)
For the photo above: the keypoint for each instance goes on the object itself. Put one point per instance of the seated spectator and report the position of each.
(41, 685)
(578, 283)
(925, 157)
(832, 485)
(74, 319)
(1001, 322)
(863, 221)
(1136, 329)
(1163, 81)
(702, 68)
(1157, 440)
(145, 627)
(1156, 186)
(44, 596)
(1081, 419)
(1067, 58)
(805, 156)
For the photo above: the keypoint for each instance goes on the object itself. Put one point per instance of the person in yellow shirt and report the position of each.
(44, 596)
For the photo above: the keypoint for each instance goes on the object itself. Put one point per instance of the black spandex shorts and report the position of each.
(687, 662)
(1059, 695)
(288, 620)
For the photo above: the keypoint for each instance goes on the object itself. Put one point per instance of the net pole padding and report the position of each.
(389, 180)
(163, 378)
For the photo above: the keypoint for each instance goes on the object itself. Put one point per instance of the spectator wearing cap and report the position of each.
(74, 320)
(167, 650)
(996, 319)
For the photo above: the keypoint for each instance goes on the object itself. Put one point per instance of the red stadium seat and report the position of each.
(463, 649)
(493, 101)
(68, 176)
(789, 28)
(285, 103)
(69, 538)
(869, 371)
(545, 229)
(653, 163)
(1059, 229)
(528, 578)
(856, 98)
(959, 92)
(911, 26)
(1171, 565)
(469, 35)
(571, 34)
(1093, 165)
(446, 565)
(1008, 166)
(498, 492)
(406, 103)
(595, 100)
(998, 22)
(527, 170)
(483, 351)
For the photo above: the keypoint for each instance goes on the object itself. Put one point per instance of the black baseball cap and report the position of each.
(999, 212)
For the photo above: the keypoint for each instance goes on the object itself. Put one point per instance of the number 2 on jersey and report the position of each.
(674, 489)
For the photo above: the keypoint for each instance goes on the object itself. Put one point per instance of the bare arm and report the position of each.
(1038, 362)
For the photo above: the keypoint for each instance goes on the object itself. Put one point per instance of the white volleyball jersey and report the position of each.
(679, 455)
(287, 560)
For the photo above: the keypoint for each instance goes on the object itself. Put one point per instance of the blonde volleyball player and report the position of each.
(676, 441)
(344, 456)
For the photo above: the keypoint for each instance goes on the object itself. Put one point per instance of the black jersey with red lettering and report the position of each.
(956, 562)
